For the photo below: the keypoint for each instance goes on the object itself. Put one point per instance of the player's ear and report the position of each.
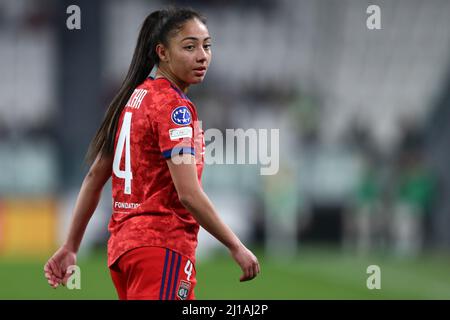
(162, 52)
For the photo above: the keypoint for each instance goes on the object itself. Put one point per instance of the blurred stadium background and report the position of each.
(364, 143)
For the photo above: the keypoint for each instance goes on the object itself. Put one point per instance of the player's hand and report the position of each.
(247, 261)
(55, 269)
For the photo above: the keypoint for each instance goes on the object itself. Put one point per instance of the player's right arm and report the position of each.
(177, 117)
(184, 175)
(56, 267)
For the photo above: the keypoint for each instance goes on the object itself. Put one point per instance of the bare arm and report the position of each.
(87, 200)
(191, 195)
(55, 269)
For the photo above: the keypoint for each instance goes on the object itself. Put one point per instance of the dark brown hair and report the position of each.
(157, 28)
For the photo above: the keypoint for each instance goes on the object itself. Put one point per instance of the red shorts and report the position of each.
(152, 273)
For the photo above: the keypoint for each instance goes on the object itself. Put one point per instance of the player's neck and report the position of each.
(183, 87)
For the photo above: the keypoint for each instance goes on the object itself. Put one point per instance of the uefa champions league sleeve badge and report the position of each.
(181, 116)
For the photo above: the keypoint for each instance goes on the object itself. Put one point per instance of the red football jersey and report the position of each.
(157, 121)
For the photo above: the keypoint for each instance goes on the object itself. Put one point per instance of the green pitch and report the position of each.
(313, 274)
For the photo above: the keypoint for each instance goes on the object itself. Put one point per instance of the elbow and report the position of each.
(91, 176)
(93, 180)
(187, 199)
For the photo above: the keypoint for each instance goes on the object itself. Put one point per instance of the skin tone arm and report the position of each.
(184, 175)
(190, 194)
(56, 267)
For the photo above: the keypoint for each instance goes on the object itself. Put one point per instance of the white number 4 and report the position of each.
(124, 138)
(188, 270)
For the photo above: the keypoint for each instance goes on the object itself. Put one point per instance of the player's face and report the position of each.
(190, 52)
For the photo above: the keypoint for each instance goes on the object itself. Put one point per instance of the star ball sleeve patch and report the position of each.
(176, 131)
(181, 116)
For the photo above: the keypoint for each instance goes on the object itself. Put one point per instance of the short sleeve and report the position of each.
(175, 125)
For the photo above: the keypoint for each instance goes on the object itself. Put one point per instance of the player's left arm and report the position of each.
(55, 269)
(88, 198)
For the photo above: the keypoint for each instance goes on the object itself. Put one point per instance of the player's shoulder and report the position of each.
(166, 99)
(162, 95)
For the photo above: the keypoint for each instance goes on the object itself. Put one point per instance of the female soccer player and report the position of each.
(151, 143)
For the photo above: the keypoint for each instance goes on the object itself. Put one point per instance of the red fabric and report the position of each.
(153, 273)
(151, 214)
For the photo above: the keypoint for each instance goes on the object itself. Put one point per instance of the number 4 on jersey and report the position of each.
(188, 270)
(124, 139)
